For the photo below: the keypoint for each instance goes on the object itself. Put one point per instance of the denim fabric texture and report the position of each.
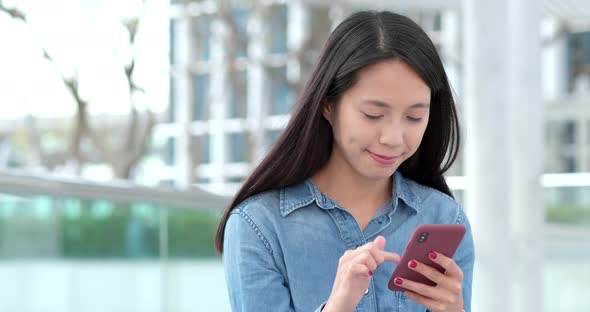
(282, 247)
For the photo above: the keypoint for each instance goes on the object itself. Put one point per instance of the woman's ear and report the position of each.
(327, 112)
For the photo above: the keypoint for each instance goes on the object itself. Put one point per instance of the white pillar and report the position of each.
(184, 98)
(486, 146)
(451, 47)
(220, 101)
(298, 34)
(258, 82)
(525, 102)
(504, 154)
(554, 56)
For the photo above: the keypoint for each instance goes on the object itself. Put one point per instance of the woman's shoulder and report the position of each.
(426, 193)
(278, 201)
(253, 215)
(261, 213)
(434, 202)
(259, 203)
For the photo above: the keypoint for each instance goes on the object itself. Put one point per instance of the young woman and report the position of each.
(320, 223)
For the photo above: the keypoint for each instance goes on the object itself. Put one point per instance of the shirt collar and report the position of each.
(303, 194)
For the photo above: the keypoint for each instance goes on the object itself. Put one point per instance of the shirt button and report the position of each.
(367, 291)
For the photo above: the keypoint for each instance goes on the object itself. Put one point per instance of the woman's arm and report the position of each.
(254, 283)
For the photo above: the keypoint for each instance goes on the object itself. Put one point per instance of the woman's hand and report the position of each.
(447, 295)
(355, 269)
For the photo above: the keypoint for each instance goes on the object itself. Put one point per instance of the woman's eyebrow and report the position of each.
(386, 105)
(378, 103)
(420, 105)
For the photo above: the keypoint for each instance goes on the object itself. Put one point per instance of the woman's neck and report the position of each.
(357, 194)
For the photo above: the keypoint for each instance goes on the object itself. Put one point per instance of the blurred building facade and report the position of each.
(235, 76)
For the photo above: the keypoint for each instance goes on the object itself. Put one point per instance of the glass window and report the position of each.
(202, 148)
(169, 151)
(567, 205)
(271, 138)
(237, 147)
(235, 179)
(278, 29)
(171, 100)
(201, 35)
(569, 163)
(282, 95)
(190, 233)
(437, 25)
(73, 228)
(238, 105)
(578, 55)
(75, 241)
(568, 132)
(201, 96)
(172, 30)
(320, 26)
(240, 19)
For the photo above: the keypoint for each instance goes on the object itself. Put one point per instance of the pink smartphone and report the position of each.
(441, 238)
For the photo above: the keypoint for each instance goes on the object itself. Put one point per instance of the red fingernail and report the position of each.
(432, 255)
(413, 264)
(398, 281)
(370, 273)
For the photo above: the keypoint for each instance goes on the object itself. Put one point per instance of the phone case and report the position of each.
(441, 238)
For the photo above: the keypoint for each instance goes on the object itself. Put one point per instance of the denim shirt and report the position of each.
(282, 247)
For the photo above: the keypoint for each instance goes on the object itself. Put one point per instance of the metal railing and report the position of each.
(23, 183)
(26, 183)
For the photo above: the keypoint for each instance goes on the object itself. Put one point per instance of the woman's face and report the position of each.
(380, 121)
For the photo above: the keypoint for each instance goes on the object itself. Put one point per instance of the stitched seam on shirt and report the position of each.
(283, 201)
(459, 216)
(409, 184)
(256, 230)
(334, 216)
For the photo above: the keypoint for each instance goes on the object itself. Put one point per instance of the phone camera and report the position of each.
(423, 237)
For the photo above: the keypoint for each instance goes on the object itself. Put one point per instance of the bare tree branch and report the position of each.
(134, 145)
(14, 12)
(123, 167)
(71, 84)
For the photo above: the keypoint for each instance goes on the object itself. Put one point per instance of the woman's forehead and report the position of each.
(390, 83)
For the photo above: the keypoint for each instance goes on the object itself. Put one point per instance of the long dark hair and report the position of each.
(305, 145)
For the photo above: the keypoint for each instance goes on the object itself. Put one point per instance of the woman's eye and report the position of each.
(372, 117)
(413, 119)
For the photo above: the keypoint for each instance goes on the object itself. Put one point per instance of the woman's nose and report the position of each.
(392, 135)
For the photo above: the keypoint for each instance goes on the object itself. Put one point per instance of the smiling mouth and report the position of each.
(384, 160)
(383, 156)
